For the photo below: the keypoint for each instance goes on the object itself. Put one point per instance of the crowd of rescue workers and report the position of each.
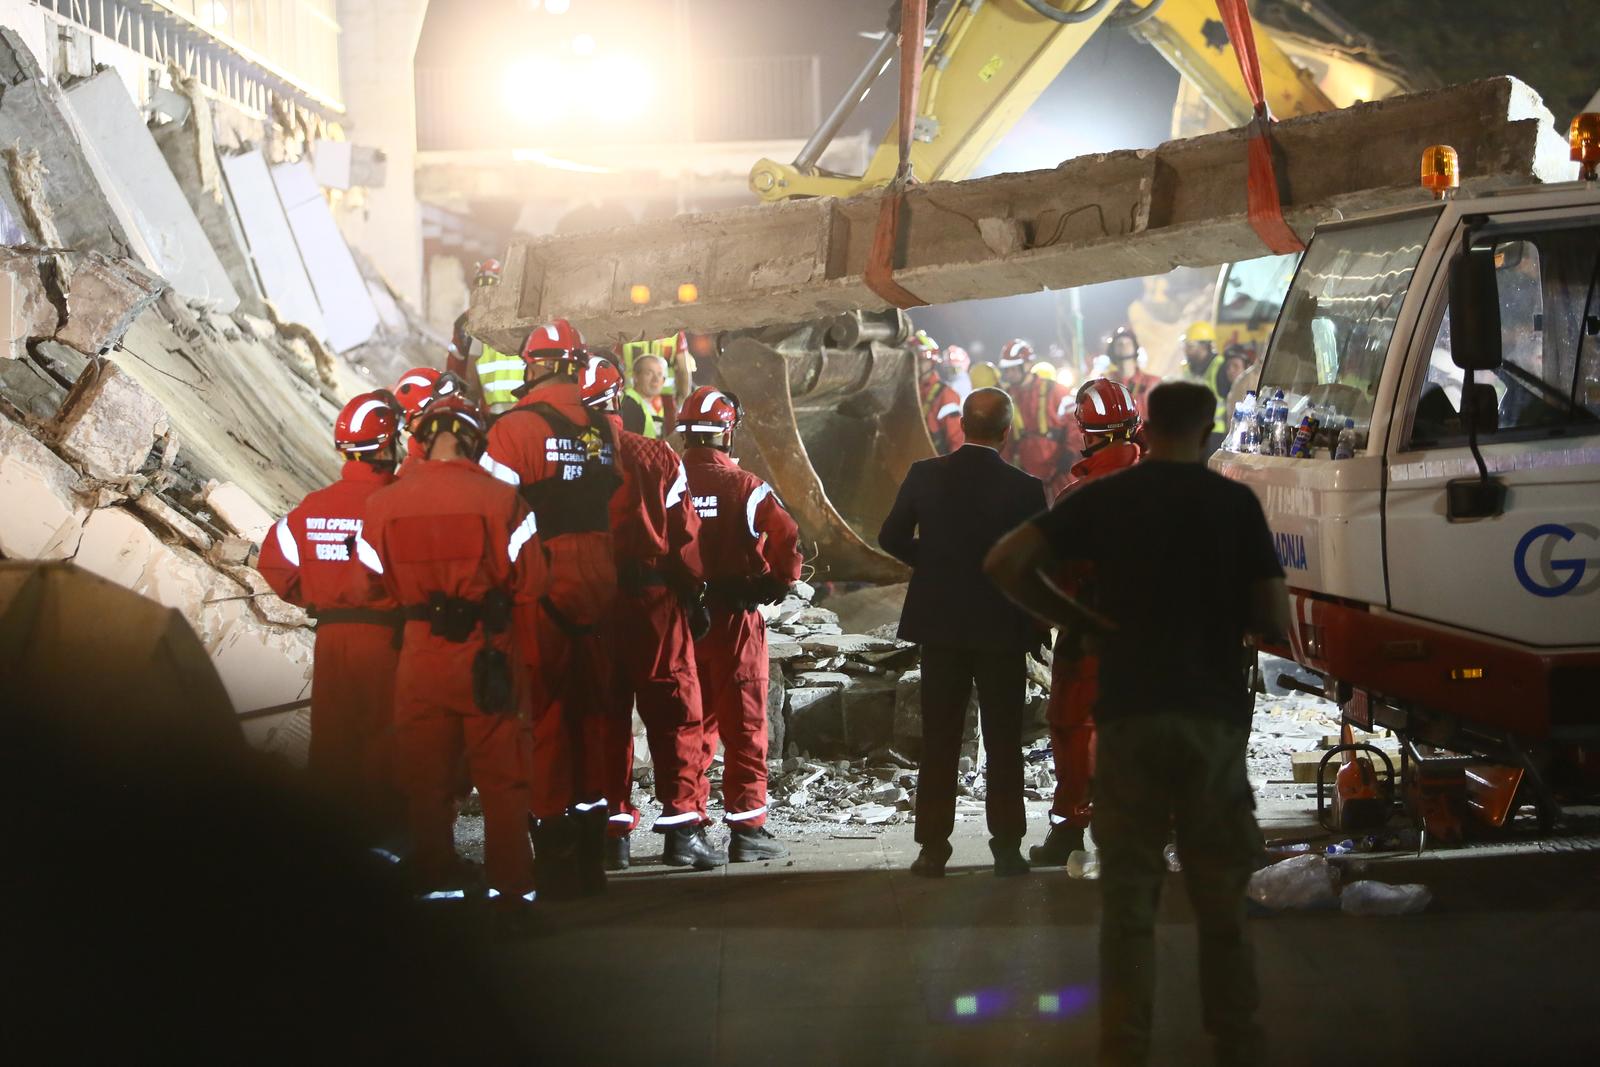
(515, 559)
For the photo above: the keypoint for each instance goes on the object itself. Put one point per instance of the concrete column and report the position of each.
(377, 69)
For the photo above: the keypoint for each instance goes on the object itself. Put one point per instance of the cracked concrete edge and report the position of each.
(1094, 218)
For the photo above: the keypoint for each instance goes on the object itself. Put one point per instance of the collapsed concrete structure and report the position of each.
(184, 321)
(1092, 219)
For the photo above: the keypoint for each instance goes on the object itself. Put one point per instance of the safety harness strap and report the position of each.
(1264, 198)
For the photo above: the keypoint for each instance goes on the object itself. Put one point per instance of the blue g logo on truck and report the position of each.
(1542, 574)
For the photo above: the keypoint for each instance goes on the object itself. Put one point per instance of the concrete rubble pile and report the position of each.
(159, 406)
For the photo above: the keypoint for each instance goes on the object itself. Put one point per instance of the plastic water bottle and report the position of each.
(1263, 428)
(1244, 418)
(1282, 438)
(1170, 854)
(1345, 447)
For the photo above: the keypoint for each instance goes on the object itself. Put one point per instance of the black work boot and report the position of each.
(592, 840)
(1059, 844)
(931, 860)
(555, 858)
(753, 844)
(688, 846)
(1008, 861)
(619, 853)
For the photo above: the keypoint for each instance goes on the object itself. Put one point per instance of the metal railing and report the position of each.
(247, 50)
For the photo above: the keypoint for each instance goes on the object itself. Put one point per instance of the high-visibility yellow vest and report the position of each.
(1209, 380)
(652, 418)
(500, 375)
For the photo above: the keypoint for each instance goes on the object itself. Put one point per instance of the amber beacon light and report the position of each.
(1441, 170)
(1584, 137)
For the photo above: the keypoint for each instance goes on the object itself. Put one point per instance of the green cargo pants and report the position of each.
(1154, 773)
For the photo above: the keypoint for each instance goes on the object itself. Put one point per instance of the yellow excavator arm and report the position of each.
(988, 62)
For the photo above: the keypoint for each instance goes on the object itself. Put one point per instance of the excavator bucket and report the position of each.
(832, 421)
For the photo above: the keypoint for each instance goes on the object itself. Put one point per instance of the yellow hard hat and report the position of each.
(1201, 331)
(984, 376)
(1046, 371)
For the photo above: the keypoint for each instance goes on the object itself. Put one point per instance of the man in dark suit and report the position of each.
(949, 513)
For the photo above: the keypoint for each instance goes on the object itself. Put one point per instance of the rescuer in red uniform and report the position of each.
(454, 547)
(414, 390)
(1109, 419)
(562, 459)
(1043, 409)
(941, 405)
(310, 559)
(653, 530)
(748, 544)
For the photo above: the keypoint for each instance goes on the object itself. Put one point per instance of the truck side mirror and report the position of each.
(1474, 308)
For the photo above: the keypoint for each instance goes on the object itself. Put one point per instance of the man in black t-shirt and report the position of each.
(1174, 709)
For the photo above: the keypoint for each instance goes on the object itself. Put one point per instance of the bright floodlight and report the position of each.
(557, 7)
(534, 92)
(621, 89)
(583, 44)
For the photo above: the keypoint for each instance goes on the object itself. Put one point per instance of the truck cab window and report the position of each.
(1548, 324)
(1333, 336)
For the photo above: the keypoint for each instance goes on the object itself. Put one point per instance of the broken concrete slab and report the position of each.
(140, 189)
(104, 298)
(777, 701)
(190, 150)
(236, 508)
(109, 423)
(269, 241)
(1092, 219)
(816, 720)
(42, 516)
(845, 644)
(869, 708)
(348, 312)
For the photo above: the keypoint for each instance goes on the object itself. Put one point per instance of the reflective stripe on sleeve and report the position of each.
(761, 493)
(590, 806)
(741, 816)
(1061, 412)
(287, 544)
(499, 470)
(621, 817)
(948, 410)
(680, 485)
(521, 536)
(368, 555)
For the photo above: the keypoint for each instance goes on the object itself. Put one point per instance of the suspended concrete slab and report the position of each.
(1092, 219)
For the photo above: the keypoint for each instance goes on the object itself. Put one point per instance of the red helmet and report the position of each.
(556, 347)
(1105, 406)
(416, 389)
(957, 357)
(488, 273)
(367, 423)
(708, 410)
(600, 382)
(1015, 353)
(453, 414)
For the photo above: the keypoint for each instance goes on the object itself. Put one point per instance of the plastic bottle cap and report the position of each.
(1349, 424)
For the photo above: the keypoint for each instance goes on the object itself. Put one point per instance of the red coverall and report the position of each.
(539, 447)
(1074, 684)
(1046, 433)
(310, 559)
(653, 529)
(746, 536)
(450, 529)
(941, 407)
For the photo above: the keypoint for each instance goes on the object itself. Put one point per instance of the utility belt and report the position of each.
(740, 594)
(633, 577)
(370, 616)
(455, 619)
